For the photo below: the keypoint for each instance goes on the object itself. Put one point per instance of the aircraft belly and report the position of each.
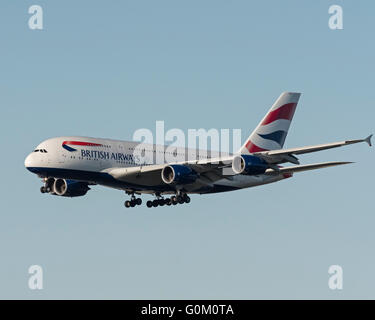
(151, 179)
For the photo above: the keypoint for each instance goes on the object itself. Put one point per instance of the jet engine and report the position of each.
(178, 174)
(70, 188)
(249, 165)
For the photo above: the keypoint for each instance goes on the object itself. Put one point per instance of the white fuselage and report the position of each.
(89, 159)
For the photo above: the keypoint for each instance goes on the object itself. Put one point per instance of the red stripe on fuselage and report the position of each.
(80, 143)
(253, 147)
(284, 112)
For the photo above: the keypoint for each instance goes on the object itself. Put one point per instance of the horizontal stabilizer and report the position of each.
(305, 167)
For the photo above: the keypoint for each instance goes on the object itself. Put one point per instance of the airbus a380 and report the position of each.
(69, 165)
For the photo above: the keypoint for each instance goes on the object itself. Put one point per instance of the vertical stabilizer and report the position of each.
(271, 132)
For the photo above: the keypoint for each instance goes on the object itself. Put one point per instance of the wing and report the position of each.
(149, 176)
(288, 155)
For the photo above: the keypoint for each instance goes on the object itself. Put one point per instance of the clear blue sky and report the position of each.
(105, 69)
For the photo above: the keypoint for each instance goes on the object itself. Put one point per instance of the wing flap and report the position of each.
(305, 167)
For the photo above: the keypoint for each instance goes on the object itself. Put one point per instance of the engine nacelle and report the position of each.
(249, 165)
(70, 188)
(178, 174)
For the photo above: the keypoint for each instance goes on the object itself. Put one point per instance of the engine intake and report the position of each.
(70, 188)
(178, 174)
(249, 165)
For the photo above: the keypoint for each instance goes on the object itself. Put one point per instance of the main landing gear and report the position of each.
(133, 202)
(179, 199)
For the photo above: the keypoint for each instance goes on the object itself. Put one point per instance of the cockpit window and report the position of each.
(40, 150)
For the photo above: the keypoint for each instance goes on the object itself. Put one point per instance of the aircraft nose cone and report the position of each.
(29, 162)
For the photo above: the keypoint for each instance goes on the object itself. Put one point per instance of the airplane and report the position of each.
(70, 165)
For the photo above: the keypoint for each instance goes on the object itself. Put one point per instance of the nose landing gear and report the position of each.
(48, 185)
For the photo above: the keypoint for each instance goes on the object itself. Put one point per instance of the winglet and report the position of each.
(368, 140)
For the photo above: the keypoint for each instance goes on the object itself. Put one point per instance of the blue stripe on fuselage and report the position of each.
(66, 147)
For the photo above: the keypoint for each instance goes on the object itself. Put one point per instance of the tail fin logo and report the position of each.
(271, 132)
(284, 112)
(277, 136)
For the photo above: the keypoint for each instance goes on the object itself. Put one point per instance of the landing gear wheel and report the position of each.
(127, 204)
(168, 202)
(149, 204)
(155, 203)
(132, 203)
(139, 201)
(174, 200)
(42, 189)
(180, 199)
(187, 199)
